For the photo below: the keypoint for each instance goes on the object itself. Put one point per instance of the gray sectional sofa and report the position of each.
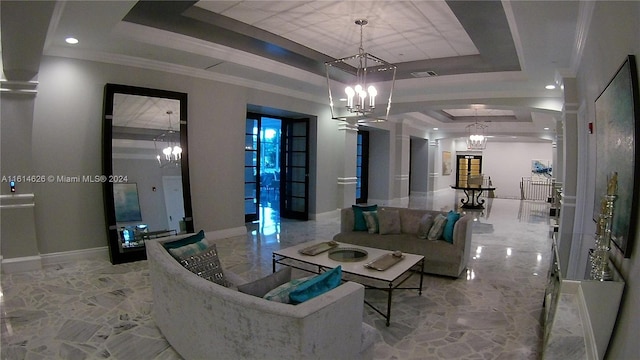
(204, 320)
(441, 257)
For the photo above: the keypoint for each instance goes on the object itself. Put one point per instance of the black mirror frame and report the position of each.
(115, 255)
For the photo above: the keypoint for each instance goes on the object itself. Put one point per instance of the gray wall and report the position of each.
(613, 34)
(67, 137)
(419, 165)
(379, 167)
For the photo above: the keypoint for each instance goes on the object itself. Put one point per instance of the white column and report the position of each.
(433, 173)
(401, 168)
(19, 246)
(347, 177)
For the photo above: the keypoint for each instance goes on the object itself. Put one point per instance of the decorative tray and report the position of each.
(348, 254)
(385, 261)
(318, 248)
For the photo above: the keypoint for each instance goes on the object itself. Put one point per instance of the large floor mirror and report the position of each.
(145, 163)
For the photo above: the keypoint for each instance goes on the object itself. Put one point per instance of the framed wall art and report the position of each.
(446, 163)
(127, 204)
(617, 112)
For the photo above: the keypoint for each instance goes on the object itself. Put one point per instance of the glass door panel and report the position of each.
(295, 169)
(251, 170)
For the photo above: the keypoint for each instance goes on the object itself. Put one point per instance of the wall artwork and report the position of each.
(127, 204)
(446, 163)
(541, 170)
(617, 111)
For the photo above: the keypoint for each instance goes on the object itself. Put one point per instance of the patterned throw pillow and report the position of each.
(389, 221)
(371, 218)
(281, 293)
(207, 265)
(438, 227)
(447, 234)
(262, 286)
(425, 225)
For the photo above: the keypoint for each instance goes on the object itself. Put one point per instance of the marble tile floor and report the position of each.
(91, 309)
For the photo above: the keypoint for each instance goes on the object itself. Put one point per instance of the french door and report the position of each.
(251, 169)
(293, 184)
(295, 169)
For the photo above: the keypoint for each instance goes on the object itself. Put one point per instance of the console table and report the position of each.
(579, 314)
(473, 195)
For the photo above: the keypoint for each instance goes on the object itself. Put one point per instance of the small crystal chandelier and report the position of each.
(361, 96)
(171, 153)
(476, 139)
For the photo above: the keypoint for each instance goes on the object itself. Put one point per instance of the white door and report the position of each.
(173, 200)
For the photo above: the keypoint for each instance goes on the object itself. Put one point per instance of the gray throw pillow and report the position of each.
(262, 286)
(389, 221)
(426, 222)
(437, 229)
(371, 218)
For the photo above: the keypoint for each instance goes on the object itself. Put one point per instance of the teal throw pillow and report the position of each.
(359, 223)
(447, 234)
(188, 250)
(281, 293)
(184, 241)
(317, 285)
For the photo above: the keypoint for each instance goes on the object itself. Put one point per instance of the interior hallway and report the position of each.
(92, 309)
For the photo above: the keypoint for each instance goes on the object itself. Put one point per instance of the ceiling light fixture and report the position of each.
(361, 95)
(550, 87)
(171, 151)
(476, 135)
(71, 40)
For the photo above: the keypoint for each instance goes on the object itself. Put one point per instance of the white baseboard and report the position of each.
(36, 262)
(226, 233)
(21, 264)
(30, 263)
(325, 215)
(75, 255)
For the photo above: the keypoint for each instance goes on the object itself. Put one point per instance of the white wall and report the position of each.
(508, 162)
(445, 181)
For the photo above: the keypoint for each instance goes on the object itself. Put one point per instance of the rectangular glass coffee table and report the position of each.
(387, 280)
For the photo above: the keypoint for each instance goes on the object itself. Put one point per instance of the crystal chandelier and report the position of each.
(361, 95)
(476, 139)
(169, 143)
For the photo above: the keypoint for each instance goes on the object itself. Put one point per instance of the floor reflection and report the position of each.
(493, 311)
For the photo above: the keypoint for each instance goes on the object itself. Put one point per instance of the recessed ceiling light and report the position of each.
(436, 129)
(550, 87)
(71, 40)
(546, 128)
